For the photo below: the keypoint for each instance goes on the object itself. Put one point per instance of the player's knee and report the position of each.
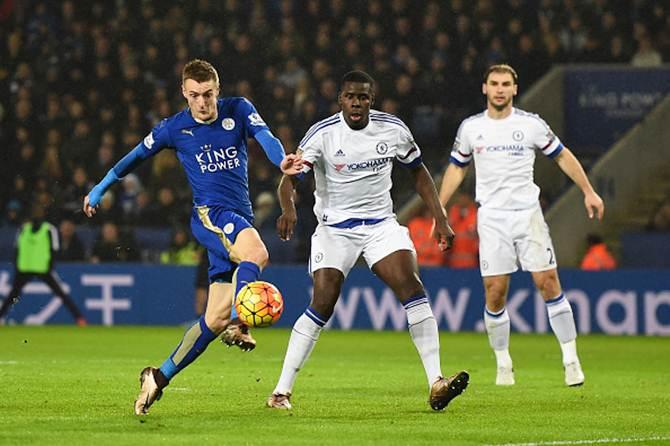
(259, 256)
(495, 297)
(548, 284)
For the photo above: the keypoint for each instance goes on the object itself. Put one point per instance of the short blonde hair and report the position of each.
(200, 71)
(501, 68)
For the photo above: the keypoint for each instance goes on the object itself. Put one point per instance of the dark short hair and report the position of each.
(358, 76)
(501, 68)
(200, 71)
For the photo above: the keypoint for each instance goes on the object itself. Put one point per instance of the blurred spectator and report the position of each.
(128, 202)
(71, 247)
(112, 247)
(462, 214)
(420, 228)
(646, 55)
(13, 215)
(182, 251)
(74, 193)
(598, 256)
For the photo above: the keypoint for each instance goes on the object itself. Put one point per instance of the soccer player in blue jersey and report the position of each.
(209, 138)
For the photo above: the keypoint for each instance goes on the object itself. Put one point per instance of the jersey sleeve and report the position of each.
(544, 139)
(158, 139)
(247, 113)
(310, 148)
(409, 153)
(461, 152)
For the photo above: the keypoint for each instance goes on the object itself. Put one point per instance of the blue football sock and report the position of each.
(195, 341)
(246, 272)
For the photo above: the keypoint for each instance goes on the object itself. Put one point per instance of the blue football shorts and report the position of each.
(216, 229)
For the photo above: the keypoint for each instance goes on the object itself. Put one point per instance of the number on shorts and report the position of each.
(551, 256)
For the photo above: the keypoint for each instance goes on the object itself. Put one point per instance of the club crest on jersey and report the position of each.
(149, 140)
(517, 135)
(382, 148)
(255, 119)
(228, 123)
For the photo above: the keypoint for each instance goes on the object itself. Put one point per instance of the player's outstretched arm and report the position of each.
(451, 179)
(573, 168)
(289, 217)
(424, 185)
(122, 168)
(290, 164)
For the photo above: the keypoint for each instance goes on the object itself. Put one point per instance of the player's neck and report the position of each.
(209, 121)
(494, 113)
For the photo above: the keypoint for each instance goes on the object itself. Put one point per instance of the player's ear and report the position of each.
(183, 91)
(484, 88)
(516, 89)
(339, 99)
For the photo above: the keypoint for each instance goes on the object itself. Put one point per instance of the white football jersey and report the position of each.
(352, 168)
(504, 154)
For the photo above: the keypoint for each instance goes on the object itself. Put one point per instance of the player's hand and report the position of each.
(286, 223)
(88, 209)
(443, 233)
(594, 205)
(291, 164)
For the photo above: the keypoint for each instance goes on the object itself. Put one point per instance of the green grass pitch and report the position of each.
(70, 386)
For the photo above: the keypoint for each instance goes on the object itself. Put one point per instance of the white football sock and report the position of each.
(498, 328)
(562, 323)
(304, 335)
(424, 333)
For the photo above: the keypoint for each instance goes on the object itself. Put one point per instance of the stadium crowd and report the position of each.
(82, 82)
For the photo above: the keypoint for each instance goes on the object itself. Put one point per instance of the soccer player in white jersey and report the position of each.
(502, 140)
(352, 155)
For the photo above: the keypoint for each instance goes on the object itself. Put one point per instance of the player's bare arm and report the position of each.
(452, 178)
(424, 185)
(572, 167)
(289, 217)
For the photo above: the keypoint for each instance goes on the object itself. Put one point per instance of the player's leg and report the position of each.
(305, 333)
(562, 323)
(497, 260)
(497, 323)
(537, 255)
(390, 252)
(193, 344)
(334, 253)
(50, 279)
(20, 280)
(230, 239)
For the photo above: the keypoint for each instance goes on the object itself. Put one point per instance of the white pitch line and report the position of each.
(592, 441)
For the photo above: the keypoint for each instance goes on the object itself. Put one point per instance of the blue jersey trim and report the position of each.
(415, 163)
(555, 153)
(457, 162)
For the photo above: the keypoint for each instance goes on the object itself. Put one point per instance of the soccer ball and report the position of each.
(259, 304)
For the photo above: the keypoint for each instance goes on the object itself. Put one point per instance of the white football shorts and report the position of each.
(340, 248)
(508, 239)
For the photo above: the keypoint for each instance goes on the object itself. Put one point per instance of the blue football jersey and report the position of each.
(214, 155)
